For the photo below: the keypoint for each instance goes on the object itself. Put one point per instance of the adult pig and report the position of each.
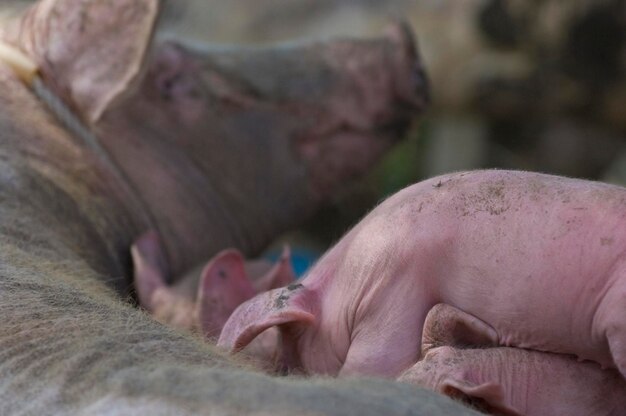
(510, 381)
(536, 261)
(68, 343)
(231, 147)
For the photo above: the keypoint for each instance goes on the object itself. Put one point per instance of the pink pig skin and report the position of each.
(538, 259)
(516, 382)
(509, 381)
(203, 299)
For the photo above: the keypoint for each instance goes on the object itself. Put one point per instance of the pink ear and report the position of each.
(447, 325)
(150, 268)
(290, 305)
(92, 50)
(487, 397)
(281, 274)
(223, 286)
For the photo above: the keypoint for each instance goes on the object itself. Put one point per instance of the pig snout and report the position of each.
(380, 90)
(413, 88)
(389, 76)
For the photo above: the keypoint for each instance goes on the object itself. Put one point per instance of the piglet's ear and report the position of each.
(291, 305)
(281, 274)
(486, 397)
(150, 268)
(447, 325)
(89, 50)
(223, 286)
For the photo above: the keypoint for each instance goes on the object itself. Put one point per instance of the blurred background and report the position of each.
(518, 84)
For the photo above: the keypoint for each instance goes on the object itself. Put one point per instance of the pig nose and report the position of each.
(420, 86)
(413, 89)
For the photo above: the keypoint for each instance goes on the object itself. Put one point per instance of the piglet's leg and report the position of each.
(447, 325)
(617, 343)
(389, 355)
(613, 316)
(150, 269)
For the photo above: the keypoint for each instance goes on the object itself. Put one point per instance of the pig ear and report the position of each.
(447, 325)
(223, 286)
(150, 268)
(281, 274)
(487, 397)
(291, 305)
(91, 51)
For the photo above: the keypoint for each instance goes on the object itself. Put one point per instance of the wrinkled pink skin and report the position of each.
(537, 259)
(513, 381)
(202, 300)
(509, 381)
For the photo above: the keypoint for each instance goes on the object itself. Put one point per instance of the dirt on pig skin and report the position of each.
(524, 253)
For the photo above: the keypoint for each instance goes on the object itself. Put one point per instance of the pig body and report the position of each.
(538, 260)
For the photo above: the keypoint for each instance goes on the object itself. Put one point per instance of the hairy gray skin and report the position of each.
(68, 342)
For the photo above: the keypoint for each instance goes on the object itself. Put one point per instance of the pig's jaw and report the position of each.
(340, 156)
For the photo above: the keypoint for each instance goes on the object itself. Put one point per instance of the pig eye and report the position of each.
(182, 94)
(179, 86)
(167, 86)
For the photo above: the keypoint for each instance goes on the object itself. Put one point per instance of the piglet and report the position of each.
(510, 381)
(534, 261)
(203, 299)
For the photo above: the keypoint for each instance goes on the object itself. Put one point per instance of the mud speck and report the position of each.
(606, 241)
(221, 273)
(490, 198)
(281, 300)
(294, 286)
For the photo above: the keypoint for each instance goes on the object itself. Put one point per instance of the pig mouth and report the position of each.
(346, 153)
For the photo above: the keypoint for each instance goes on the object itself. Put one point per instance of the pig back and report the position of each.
(532, 255)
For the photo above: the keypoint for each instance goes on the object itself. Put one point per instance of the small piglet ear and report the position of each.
(447, 325)
(486, 397)
(91, 50)
(150, 268)
(223, 286)
(291, 305)
(281, 274)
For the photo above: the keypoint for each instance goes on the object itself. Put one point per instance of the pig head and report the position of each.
(509, 381)
(227, 147)
(256, 140)
(462, 361)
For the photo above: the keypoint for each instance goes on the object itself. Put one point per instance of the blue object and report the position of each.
(301, 259)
